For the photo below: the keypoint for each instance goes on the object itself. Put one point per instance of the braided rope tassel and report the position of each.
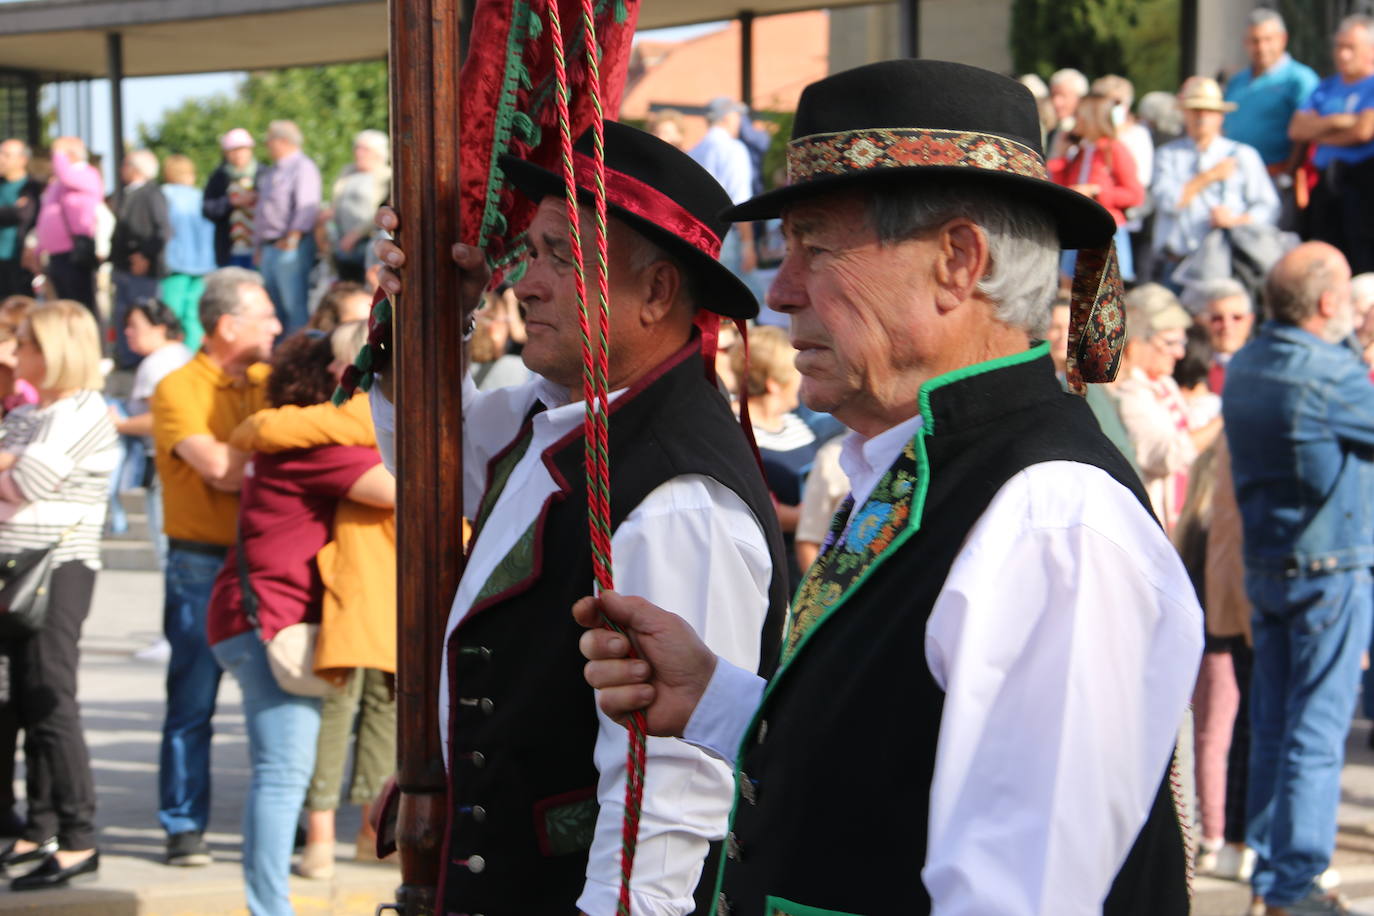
(1183, 811)
(595, 392)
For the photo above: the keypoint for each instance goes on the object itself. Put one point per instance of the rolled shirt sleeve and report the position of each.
(723, 594)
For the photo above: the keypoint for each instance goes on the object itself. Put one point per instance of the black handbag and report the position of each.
(26, 588)
(27, 578)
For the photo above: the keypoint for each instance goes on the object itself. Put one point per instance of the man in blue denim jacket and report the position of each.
(1299, 412)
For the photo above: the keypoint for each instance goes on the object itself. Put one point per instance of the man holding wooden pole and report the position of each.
(535, 773)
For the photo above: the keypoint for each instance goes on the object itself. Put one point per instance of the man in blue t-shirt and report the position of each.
(1339, 119)
(1268, 92)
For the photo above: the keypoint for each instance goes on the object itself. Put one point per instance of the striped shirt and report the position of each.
(58, 488)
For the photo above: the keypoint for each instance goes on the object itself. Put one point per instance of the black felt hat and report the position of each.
(904, 120)
(661, 193)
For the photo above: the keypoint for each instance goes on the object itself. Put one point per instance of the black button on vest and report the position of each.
(523, 724)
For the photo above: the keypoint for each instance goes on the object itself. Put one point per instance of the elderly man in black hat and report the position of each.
(983, 674)
(536, 772)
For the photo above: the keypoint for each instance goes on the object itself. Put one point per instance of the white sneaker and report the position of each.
(157, 653)
(1234, 863)
(1207, 851)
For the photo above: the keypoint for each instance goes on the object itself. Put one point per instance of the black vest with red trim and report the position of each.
(833, 787)
(523, 725)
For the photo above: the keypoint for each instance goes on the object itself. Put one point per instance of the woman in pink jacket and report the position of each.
(67, 211)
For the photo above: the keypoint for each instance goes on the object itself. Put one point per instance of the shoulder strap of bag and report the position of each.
(248, 598)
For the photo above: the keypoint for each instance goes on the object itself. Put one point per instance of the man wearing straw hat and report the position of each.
(537, 777)
(1204, 181)
(983, 673)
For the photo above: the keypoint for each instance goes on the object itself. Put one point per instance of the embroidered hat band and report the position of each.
(850, 151)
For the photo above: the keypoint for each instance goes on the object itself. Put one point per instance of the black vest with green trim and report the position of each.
(522, 723)
(834, 775)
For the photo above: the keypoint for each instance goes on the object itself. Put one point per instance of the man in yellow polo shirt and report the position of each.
(194, 410)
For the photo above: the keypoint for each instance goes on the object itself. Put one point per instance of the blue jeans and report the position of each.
(282, 731)
(1309, 635)
(192, 685)
(286, 274)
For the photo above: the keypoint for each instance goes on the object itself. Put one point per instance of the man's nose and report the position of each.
(787, 292)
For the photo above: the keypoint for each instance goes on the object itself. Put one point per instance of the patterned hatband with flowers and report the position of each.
(850, 151)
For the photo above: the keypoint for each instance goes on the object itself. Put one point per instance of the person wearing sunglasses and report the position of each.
(1152, 408)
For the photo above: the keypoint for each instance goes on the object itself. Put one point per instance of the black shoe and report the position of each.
(187, 849)
(44, 849)
(51, 874)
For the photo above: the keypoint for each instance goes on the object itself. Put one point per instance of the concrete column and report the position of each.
(114, 58)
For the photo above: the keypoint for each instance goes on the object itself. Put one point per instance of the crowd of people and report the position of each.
(234, 310)
(1240, 418)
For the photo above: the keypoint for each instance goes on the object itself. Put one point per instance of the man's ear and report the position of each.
(223, 329)
(661, 283)
(961, 261)
(1327, 305)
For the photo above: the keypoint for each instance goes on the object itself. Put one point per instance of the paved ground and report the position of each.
(122, 703)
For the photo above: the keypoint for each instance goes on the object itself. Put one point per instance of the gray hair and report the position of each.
(1162, 110)
(1198, 296)
(144, 162)
(1293, 299)
(1023, 245)
(1362, 289)
(223, 294)
(374, 140)
(1035, 84)
(285, 130)
(1264, 15)
(1358, 21)
(1071, 78)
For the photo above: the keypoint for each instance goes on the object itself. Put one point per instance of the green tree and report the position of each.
(329, 104)
(1137, 39)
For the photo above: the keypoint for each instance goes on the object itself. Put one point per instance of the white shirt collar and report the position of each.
(561, 415)
(866, 460)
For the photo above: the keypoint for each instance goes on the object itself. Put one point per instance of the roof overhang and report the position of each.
(67, 38)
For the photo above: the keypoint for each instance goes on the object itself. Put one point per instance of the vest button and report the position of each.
(476, 864)
(733, 850)
(763, 730)
(748, 788)
(477, 759)
(486, 705)
(722, 904)
(479, 814)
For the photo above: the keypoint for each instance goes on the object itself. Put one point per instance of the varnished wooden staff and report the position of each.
(427, 370)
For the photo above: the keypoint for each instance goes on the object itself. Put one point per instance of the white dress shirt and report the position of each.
(692, 545)
(1066, 640)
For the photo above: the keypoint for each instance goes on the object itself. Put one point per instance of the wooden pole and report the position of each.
(428, 335)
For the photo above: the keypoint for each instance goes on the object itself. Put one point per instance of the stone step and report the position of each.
(137, 530)
(116, 553)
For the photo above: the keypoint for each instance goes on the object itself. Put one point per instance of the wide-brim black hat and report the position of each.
(909, 120)
(661, 193)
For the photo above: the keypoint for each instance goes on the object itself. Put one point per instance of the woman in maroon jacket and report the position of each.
(1098, 165)
(286, 514)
